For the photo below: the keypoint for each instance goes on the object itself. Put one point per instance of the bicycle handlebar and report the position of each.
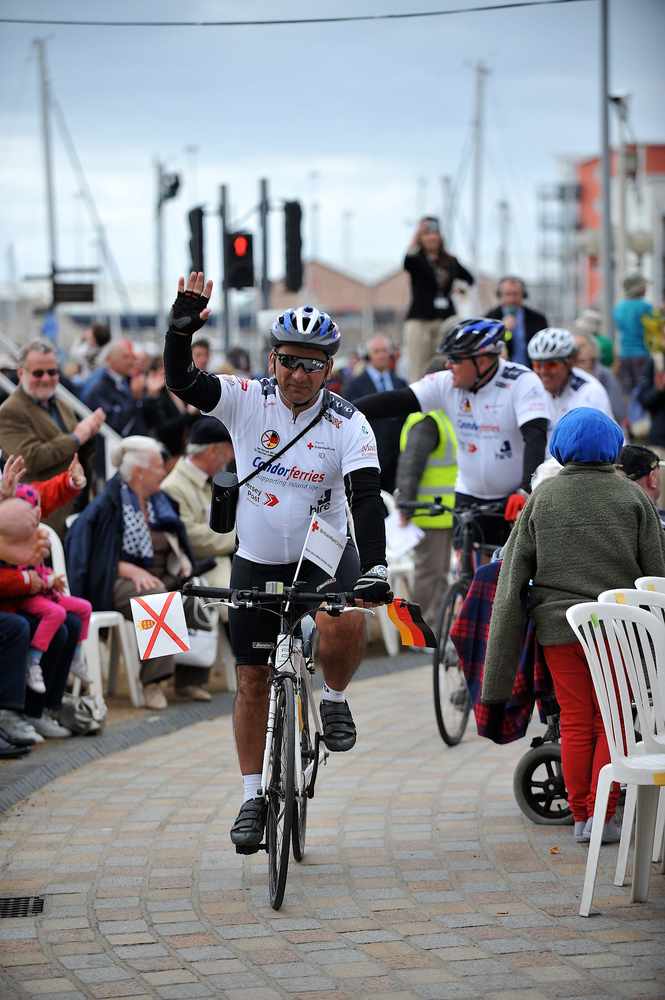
(436, 507)
(495, 507)
(432, 509)
(246, 598)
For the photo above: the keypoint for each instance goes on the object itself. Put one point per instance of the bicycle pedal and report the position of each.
(251, 850)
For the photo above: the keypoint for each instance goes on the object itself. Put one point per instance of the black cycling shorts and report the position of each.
(253, 631)
(490, 529)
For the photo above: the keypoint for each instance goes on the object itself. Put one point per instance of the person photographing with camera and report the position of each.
(433, 272)
(306, 451)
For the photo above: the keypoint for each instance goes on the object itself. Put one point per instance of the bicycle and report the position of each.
(452, 704)
(293, 751)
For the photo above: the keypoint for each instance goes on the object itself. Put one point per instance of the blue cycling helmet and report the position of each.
(306, 326)
(472, 337)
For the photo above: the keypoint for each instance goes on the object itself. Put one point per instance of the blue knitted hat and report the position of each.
(586, 435)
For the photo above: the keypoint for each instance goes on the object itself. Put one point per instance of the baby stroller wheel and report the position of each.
(539, 786)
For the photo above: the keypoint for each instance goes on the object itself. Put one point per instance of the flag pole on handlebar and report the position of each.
(323, 546)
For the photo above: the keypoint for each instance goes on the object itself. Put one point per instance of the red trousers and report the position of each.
(52, 612)
(584, 748)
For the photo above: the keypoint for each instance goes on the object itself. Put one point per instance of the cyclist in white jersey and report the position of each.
(552, 352)
(500, 413)
(334, 460)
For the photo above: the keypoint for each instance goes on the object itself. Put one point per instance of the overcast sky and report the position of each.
(365, 117)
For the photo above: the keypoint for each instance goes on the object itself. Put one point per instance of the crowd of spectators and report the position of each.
(148, 513)
(138, 527)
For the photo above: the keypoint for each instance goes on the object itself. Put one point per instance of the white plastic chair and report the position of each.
(619, 643)
(655, 584)
(400, 576)
(653, 742)
(92, 645)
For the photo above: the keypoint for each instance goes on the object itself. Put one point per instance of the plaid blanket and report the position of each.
(505, 722)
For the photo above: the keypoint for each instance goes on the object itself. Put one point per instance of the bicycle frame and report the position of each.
(289, 660)
(466, 519)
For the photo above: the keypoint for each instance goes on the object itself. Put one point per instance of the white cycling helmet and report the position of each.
(551, 344)
(306, 326)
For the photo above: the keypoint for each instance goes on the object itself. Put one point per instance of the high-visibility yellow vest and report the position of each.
(440, 473)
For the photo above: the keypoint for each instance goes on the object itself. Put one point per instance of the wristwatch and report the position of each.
(380, 572)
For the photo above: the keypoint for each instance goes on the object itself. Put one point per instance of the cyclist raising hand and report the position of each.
(499, 411)
(334, 460)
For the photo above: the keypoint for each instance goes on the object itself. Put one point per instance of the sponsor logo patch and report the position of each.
(290, 472)
(322, 504)
(270, 439)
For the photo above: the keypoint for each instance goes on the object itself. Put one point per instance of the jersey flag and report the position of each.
(159, 622)
(324, 545)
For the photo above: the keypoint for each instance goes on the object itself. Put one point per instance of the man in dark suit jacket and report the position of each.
(378, 377)
(41, 428)
(522, 323)
(112, 389)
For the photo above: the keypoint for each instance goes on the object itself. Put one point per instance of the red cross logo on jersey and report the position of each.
(315, 526)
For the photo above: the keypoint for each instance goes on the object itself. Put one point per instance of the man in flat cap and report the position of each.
(643, 465)
(189, 483)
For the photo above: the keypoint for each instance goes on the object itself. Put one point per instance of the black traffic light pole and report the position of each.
(264, 209)
(226, 324)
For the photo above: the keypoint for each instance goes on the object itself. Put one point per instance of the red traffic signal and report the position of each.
(240, 246)
(239, 260)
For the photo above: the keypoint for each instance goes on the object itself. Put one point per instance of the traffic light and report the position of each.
(169, 185)
(293, 245)
(239, 260)
(196, 252)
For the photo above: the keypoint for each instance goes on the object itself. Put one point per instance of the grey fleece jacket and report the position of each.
(585, 531)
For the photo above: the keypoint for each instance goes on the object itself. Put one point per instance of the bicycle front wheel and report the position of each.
(299, 830)
(281, 793)
(452, 703)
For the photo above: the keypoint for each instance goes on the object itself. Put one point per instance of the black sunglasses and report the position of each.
(309, 365)
(40, 372)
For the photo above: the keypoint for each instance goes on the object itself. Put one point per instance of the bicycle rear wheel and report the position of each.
(299, 829)
(281, 793)
(452, 703)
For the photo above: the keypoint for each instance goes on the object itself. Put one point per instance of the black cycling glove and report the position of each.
(373, 586)
(184, 317)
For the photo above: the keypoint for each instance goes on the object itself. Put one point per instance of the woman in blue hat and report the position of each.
(585, 531)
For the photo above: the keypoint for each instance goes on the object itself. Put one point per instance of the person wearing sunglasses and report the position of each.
(553, 353)
(43, 429)
(499, 412)
(334, 460)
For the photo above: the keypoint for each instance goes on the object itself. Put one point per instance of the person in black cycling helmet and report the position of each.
(334, 461)
(500, 414)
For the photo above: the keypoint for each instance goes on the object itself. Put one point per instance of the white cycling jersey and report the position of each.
(581, 389)
(276, 507)
(490, 447)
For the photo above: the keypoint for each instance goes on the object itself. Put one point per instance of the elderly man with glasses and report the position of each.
(41, 428)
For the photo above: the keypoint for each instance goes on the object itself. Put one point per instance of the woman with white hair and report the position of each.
(130, 541)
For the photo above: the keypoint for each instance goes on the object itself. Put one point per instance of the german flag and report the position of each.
(409, 622)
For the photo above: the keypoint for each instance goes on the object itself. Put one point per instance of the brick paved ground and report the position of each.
(422, 879)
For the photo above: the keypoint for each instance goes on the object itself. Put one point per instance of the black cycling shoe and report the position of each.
(247, 831)
(339, 731)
